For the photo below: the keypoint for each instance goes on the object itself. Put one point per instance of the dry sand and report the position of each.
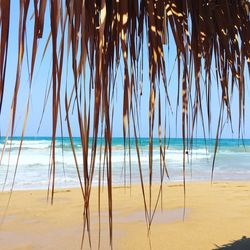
(216, 215)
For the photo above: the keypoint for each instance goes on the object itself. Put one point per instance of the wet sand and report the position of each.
(215, 216)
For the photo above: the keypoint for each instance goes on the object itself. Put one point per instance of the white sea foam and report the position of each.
(35, 158)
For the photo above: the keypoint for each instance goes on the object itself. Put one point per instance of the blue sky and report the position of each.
(41, 77)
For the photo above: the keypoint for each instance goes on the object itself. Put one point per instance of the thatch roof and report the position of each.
(209, 35)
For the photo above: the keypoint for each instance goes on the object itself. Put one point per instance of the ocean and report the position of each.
(232, 162)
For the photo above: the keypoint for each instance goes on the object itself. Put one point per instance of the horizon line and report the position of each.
(121, 137)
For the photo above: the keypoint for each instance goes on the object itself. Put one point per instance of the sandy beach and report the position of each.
(216, 215)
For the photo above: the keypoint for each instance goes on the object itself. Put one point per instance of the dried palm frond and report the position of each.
(106, 34)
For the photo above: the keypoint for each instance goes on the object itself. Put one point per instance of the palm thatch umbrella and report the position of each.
(102, 34)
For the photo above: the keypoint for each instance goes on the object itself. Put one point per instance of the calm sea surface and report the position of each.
(232, 162)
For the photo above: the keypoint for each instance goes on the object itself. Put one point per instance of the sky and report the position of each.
(42, 76)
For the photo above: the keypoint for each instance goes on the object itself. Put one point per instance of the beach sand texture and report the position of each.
(215, 215)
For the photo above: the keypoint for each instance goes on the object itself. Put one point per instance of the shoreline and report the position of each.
(216, 214)
(133, 184)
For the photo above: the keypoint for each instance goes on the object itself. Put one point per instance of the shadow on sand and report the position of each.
(242, 244)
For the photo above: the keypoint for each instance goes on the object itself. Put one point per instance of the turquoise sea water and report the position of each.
(232, 161)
